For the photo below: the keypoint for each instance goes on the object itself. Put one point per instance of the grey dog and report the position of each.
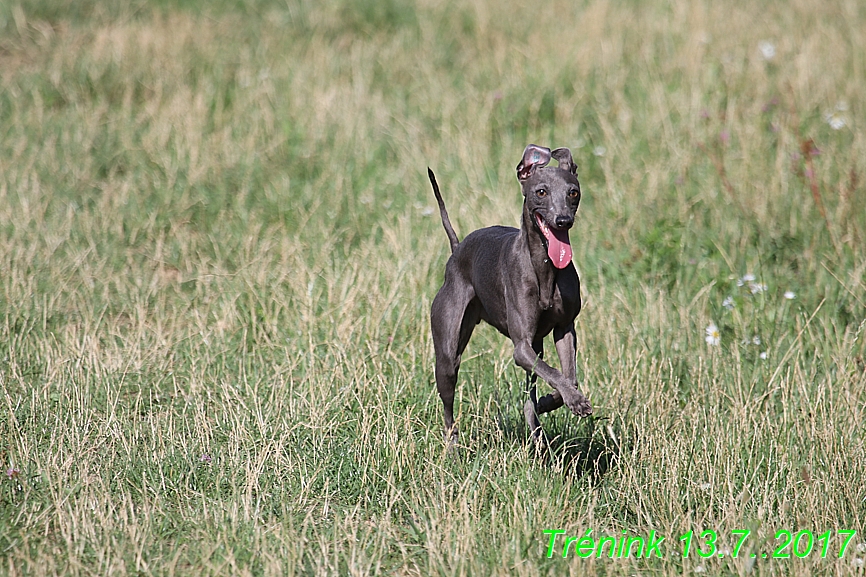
(522, 282)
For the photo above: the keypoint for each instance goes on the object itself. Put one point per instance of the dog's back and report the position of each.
(481, 259)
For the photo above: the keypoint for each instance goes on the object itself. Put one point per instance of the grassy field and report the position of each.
(218, 252)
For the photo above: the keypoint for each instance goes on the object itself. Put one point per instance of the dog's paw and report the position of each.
(531, 417)
(579, 405)
(452, 443)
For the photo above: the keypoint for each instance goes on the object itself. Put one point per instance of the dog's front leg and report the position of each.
(531, 405)
(564, 382)
(565, 341)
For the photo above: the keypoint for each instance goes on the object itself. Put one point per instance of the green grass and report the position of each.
(218, 253)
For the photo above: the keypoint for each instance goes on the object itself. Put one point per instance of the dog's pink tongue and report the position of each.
(558, 245)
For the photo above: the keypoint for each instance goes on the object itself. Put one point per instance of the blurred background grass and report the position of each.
(218, 250)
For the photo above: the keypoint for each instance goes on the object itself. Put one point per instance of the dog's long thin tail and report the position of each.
(449, 230)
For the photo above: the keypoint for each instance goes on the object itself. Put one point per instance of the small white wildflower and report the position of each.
(835, 120)
(757, 288)
(790, 295)
(700, 569)
(763, 356)
(746, 278)
(858, 561)
(713, 338)
(756, 340)
(768, 50)
(729, 303)
(599, 151)
(861, 548)
(706, 486)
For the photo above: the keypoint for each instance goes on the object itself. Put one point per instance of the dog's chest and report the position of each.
(565, 301)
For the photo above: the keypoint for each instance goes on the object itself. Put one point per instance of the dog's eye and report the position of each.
(572, 193)
(541, 193)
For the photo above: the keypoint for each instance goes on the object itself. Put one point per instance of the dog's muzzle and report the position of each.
(558, 245)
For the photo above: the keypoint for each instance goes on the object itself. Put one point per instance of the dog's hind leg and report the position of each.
(452, 320)
(548, 403)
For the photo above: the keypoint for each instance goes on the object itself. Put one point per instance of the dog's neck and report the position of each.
(530, 239)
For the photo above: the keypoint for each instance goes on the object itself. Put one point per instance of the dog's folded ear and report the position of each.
(563, 156)
(533, 157)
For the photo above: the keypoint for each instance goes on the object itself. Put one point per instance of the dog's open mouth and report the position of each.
(558, 245)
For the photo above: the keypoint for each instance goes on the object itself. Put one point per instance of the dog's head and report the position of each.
(551, 196)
